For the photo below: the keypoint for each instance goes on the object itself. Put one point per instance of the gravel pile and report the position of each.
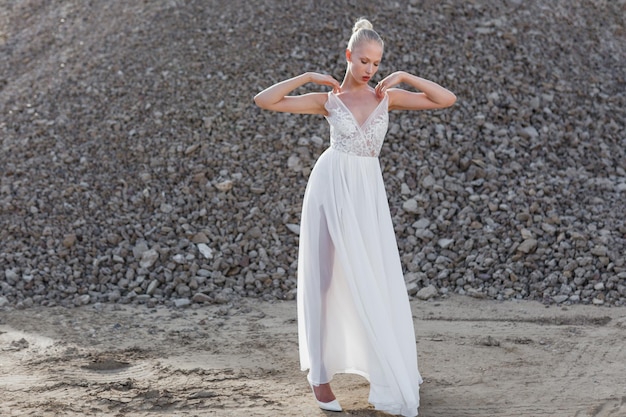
(136, 169)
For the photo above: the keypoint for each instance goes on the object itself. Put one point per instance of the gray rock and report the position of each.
(11, 275)
(225, 185)
(427, 293)
(223, 297)
(410, 206)
(599, 250)
(529, 132)
(200, 237)
(421, 224)
(598, 301)
(143, 298)
(445, 243)
(488, 341)
(255, 232)
(183, 290)
(548, 228)
(182, 302)
(152, 287)
(114, 296)
(139, 249)
(528, 246)
(205, 251)
(148, 258)
(295, 163)
(473, 292)
(424, 234)
(293, 228)
(428, 181)
(200, 298)
(166, 208)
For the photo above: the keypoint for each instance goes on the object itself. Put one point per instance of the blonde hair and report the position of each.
(363, 31)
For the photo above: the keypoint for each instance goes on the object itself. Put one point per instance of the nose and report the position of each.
(369, 68)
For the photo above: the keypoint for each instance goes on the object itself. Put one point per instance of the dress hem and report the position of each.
(344, 371)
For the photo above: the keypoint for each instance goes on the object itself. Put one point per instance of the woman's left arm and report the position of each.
(430, 96)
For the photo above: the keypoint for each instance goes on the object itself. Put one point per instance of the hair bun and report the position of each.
(362, 23)
(363, 31)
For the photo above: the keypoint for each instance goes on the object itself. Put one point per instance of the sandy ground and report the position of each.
(478, 358)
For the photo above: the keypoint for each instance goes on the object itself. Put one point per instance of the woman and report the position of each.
(353, 310)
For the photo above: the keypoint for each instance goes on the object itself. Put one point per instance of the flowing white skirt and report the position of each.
(353, 309)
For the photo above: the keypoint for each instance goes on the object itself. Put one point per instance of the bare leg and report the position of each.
(323, 393)
(326, 251)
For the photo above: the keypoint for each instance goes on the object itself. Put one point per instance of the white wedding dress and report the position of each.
(353, 309)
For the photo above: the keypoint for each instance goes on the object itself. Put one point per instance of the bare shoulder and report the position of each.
(321, 98)
(394, 95)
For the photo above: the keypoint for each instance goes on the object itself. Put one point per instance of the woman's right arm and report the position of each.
(276, 97)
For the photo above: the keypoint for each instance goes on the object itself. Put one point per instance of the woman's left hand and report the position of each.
(388, 82)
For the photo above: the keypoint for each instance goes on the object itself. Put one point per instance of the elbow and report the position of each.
(266, 103)
(261, 100)
(258, 100)
(450, 100)
(444, 101)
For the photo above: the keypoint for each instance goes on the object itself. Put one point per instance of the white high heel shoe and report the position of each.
(329, 406)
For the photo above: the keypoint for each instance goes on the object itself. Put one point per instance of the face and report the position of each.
(363, 60)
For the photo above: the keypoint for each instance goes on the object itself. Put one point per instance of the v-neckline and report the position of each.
(356, 122)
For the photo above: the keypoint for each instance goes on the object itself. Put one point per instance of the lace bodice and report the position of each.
(346, 135)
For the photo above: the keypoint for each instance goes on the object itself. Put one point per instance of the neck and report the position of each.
(350, 84)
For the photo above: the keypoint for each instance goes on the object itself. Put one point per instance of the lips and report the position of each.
(366, 78)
